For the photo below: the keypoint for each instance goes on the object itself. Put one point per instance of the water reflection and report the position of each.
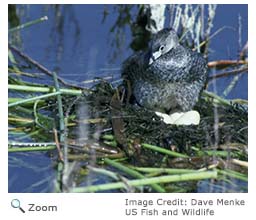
(78, 41)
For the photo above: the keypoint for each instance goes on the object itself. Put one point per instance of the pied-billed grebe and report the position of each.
(168, 77)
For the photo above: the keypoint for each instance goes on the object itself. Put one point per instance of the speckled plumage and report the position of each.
(172, 81)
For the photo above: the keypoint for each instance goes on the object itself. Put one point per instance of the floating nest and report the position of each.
(223, 129)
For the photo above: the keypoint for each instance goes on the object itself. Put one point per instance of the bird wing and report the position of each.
(199, 69)
(134, 66)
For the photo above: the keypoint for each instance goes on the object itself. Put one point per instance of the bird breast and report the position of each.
(171, 67)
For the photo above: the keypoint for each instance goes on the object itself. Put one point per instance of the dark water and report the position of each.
(77, 44)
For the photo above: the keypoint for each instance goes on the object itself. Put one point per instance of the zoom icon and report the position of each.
(15, 203)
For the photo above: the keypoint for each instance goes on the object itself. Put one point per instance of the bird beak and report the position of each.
(151, 60)
(154, 56)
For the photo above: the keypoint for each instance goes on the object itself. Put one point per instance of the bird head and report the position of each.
(162, 42)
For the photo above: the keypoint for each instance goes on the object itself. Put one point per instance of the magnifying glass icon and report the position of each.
(15, 203)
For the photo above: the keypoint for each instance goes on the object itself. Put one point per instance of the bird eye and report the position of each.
(161, 48)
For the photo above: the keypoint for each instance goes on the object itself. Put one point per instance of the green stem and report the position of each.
(44, 89)
(30, 149)
(13, 61)
(147, 181)
(108, 137)
(105, 172)
(62, 138)
(33, 99)
(217, 99)
(164, 151)
(132, 173)
(233, 174)
(28, 24)
(164, 170)
(217, 153)
(12, 100)
(151, 147)
(60, 108)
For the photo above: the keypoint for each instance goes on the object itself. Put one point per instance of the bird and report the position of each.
(168, 77)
